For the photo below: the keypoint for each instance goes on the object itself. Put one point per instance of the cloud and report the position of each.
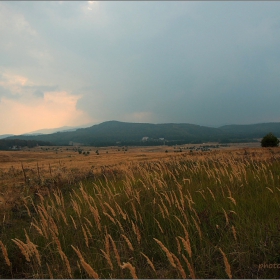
(4, 92)
(54, 110)
(12, 84)
(138, 117)
(14, 21)
(177, 61)
(92, 5)
(17, 86)
(38, 93)
(26, 106)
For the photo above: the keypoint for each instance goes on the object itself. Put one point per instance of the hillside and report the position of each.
(253, 130)
(112, 132)
(124, 133)
(5, 136)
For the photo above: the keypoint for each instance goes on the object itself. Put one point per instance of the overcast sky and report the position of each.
(76, 63)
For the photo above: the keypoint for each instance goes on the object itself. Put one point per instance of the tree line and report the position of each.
(16, 144)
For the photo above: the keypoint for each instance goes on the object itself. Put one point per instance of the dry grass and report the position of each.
(167, 216)
(227, 266)
(5, 253)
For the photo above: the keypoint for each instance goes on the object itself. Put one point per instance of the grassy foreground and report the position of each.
(185, 217)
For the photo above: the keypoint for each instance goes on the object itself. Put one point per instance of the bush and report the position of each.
(270, 141)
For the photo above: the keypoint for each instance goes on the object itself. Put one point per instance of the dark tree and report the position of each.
(270, 141)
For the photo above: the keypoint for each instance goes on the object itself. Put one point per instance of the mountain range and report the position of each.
(51, 130)
(125, 133)
(5, 136)
(46, 131)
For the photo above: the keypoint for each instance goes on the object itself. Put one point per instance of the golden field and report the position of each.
(19, 167)
(140, 212)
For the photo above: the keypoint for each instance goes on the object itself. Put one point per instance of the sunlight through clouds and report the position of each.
(13, 83)
(90, 6)
(32, 106)
(54, 110)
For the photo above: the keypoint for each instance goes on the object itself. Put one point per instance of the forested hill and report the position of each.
(124, 133)
(252, 130)
(114, 132)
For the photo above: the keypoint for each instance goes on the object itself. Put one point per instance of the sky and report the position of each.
(80, 63)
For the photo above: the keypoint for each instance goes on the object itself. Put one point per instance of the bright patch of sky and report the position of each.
(74, 63)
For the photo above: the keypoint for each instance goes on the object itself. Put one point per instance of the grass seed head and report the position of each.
(131, 269)
(107, 257)
(22, 246)
(5, 253)
(232, 200)
(227, 266)
(91, 272)
(149, 262)
(234, 232)
(191, 270)
(179, 266)
(167, 252)
(50, 272)
(128, 242)
(115, 250)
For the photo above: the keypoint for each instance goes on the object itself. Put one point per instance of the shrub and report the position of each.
(270, 141)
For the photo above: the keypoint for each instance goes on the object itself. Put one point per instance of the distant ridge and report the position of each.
(253, 130)
(52, 130)
(126, 133)
(5, 135)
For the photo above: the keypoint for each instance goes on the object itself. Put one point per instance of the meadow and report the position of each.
(140, 213)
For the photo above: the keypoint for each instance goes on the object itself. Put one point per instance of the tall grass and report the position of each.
(184, 217)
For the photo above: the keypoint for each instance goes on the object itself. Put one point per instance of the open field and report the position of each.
(57, 156)
(140, 212)
(39, 164)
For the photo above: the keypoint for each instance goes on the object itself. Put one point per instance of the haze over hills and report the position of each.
(124, 133)
(54, 130)
(111, 132)
(5, 136)
(253, 130)
(46, 131)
